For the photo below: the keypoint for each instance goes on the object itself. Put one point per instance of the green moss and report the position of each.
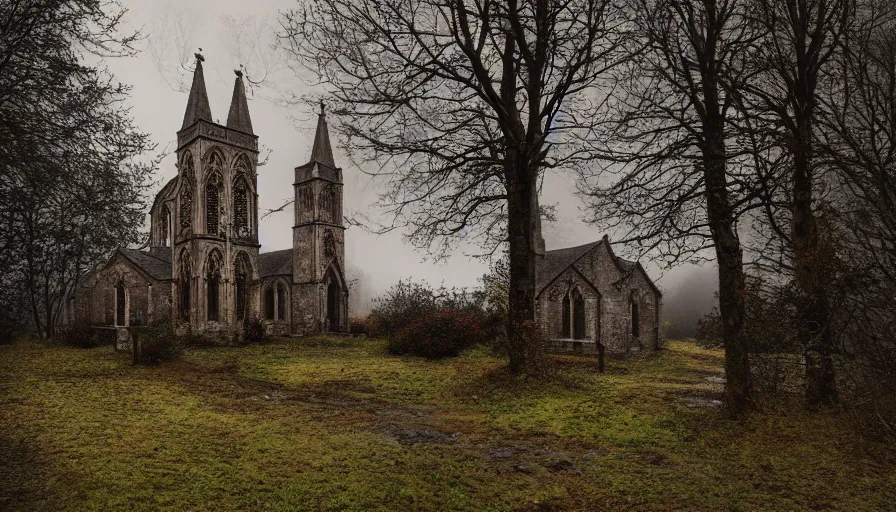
(335, 424)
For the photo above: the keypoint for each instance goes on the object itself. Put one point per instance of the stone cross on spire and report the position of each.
(322, 152)
(197, 103)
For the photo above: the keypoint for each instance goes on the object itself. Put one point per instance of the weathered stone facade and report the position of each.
(203, 271)
(587, 295)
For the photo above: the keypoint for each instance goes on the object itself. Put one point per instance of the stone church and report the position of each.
(586, 295)
(202, 270)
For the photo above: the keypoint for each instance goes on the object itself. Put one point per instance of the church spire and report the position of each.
(238, 117)
(322, 152)
(197, 103)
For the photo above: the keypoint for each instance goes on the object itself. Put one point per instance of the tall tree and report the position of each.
(678, 179)
(801, 37)
(462, 105)
(70, 182)
(857, 140)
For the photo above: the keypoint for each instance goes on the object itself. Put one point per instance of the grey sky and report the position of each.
(288, 131)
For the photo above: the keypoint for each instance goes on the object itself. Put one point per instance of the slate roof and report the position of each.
(154, 262)
(275, 263)
(556, 261)
(626, 265)
(197, 102)
(322, 152)
(238, 117)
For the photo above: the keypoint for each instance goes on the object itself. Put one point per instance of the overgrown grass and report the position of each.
(335, 424)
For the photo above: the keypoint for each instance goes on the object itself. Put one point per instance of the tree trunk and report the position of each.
(814, 329)
(729, 257)
(521, 217)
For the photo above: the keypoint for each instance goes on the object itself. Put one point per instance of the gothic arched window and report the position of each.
(281, 302)
(213, 286)
(241, 208)
(269, 303)
(186, 192)
(184, 282)
(325, 206)
(213, 204)
(578, 315)
(276, 301)
(564, 328)
(241, 271)
(164, 220)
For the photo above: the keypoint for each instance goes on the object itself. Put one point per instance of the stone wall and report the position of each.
(147, 301)
(608, 309)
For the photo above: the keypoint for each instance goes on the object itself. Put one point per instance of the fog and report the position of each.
(286, 129)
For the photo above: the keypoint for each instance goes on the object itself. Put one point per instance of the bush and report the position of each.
(358, 325)
(153, 345)
(253, 330)
(80, 335)
(440, 333)
(400, 305)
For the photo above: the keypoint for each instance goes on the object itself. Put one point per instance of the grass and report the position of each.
(335, 424)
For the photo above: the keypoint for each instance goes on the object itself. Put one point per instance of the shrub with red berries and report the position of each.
(442, 332)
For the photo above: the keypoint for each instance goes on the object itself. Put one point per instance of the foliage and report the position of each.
(154, 345)
(771, 315)
(72, 185)
(444, 332)
(359, 325)
(253, 330)
(409, 300)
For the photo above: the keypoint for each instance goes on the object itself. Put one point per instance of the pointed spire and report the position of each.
(197, 103)
(238, 118)
(322, 152)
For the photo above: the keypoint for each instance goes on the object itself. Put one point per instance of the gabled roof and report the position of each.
(558, 260)
(276, 263)
(153, 262)
(238, 117)
(322, 152)
(197, 103)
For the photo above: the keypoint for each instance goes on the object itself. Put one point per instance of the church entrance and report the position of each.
(333, 304)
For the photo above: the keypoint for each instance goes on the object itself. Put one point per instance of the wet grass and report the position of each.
(335, 424)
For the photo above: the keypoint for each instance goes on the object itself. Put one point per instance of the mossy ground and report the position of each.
(335, 424)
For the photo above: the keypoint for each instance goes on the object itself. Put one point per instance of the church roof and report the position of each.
(156, 262)
(197, 103)
(238, 117)
(558, 260)
(322, 152)
(275, 263)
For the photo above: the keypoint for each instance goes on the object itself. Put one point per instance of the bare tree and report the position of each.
(857, 138)
(675, 180)
(800, 42)
(461, 106)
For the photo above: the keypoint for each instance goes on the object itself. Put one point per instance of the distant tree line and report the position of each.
(72, 186)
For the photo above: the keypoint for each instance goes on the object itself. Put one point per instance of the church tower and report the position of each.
(215, 217)
(320, 292)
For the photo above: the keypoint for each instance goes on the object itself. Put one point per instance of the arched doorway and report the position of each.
(333, 305)
(334, 301)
